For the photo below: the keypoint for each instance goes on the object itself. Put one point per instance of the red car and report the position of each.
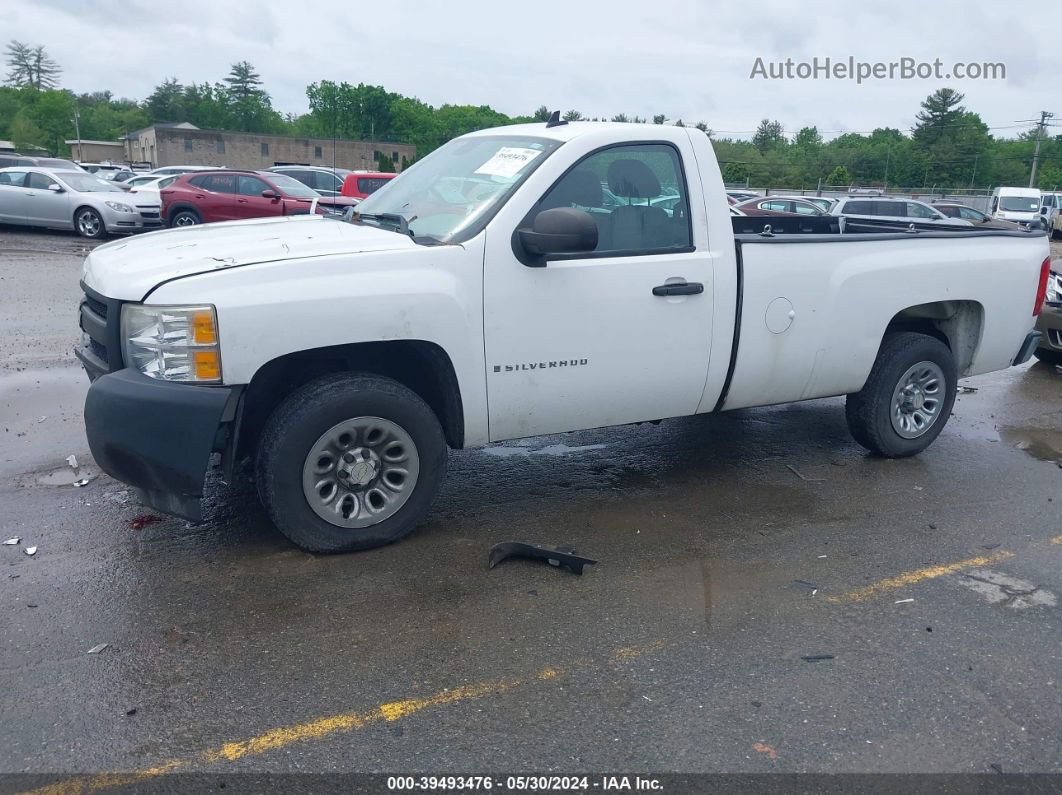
(359, 184)
(226, 195)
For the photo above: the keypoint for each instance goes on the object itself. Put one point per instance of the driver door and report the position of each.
(586, 341)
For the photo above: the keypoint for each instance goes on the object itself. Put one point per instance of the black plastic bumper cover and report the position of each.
(1032, 339)
(156, 436)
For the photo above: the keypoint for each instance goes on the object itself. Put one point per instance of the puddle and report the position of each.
(1042, 443)
(65, 477)
(553, 449)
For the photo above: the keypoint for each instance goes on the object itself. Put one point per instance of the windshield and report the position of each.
(1020, 204)
(88, 183)
(452, 193)
(292, 187)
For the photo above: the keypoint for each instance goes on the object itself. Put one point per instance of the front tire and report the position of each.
(89, 223)
(908, 397)
(350, 462)
(185, 218)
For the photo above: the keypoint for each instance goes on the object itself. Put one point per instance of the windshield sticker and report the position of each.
(508, 161)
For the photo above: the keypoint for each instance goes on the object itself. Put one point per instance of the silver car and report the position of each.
(894, 212)
(76, 200)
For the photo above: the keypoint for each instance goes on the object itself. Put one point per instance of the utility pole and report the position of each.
(77, 132)
(1040, 129)
(973, 176)
(888, 156)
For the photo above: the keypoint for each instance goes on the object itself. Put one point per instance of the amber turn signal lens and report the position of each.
(207, 365)
(204, 332)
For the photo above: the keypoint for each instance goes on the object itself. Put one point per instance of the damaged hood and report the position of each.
(129, 269)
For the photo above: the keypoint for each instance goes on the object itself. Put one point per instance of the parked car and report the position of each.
(343, 358)
(1017, 204)
(893, 212)
(742, 195)
(326, 181)
(362, 184)
(58, 199)
(857, 191)
(12, 160)
(1050, 210)
(783, 204)
(181, 169)
(1049, 323)
(976, 217)
(150, 184)
(229, 195)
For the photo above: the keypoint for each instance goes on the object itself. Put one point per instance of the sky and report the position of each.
(687, 59)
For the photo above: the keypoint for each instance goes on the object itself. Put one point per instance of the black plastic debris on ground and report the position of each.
(561, 557)
(816, 657)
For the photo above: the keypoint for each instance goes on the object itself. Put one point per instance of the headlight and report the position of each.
(172, 343)
(122, 208)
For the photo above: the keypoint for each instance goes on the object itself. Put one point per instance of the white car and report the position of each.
(150, 185)
(76, 200)
(344, 358)
(178, 170)
(891, 212)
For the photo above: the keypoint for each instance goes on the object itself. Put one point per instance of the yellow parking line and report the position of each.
(322, 727)
(917, 575)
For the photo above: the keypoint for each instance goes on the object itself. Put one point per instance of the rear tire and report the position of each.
(185, 218)
(908, 397)
(328, 485)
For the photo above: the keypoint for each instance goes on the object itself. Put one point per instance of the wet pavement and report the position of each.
(767, 597)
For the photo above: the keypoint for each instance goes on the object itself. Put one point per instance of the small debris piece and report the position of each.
(821, 557)
(804, 583)
(932, 526)
(142, 521)
(131, 711)
(72, 460)
(561, 557)
(12, 541)
(31, 551)
(29, 605)
(902, 601)
(41, 419)
(756, 703)
(802, 476)
(763, 748)
(98, 648)
(989, 546)
(997, 768)
(816, 657)
(968, 390)
(83, 482)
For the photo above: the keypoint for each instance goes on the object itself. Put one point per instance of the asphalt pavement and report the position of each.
(767, 597)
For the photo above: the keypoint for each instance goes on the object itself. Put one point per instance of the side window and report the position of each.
(777, 205)
(13, 179)
(860, 208)
(805, 209)
(326, 181)
(39, 181)
(370, 185)
(970, 214)
(200, 182)
(915, 210)
(636, 193)
(251, 186)
(221, 183)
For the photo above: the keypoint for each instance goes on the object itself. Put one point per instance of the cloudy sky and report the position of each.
(688, 59)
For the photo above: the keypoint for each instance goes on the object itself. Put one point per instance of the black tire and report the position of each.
(298, 423)
(869, 411)
(89, 223)
(1047, 356)
(185, 217)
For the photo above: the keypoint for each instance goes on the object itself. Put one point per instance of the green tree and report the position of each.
(542, 114)
(385, 164)
(769, 135)
(735, 172)
(660, 118)
(244, 82)
(941, 112)
(31, 67)
(839, 176)
(166, 102)
(574, 115)
(25, 134)
(621, 117)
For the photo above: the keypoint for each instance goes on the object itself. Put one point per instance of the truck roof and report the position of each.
(574, 129)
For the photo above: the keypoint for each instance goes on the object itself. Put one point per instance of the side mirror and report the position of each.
(269, 194)
(562, 230)
(55, 187)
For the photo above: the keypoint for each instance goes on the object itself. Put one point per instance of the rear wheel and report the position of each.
(89, 223)
(908, 397)
(350, 462)
(185, 218)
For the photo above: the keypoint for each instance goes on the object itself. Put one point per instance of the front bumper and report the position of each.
(1049, 324)
(158, 436)
(144, 219)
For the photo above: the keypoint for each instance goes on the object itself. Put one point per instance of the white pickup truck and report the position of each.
(519, 281)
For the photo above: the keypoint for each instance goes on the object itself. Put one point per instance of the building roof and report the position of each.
(74, 141)
(180, 125)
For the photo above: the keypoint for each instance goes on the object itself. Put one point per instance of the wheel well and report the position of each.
(422, 366)
(958, 324)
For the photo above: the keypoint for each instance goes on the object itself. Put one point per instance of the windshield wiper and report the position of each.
(396, 218)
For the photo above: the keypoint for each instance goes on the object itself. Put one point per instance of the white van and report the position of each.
(1051, 210)
(1016, 204)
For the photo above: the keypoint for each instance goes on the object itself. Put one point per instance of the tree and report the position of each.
(165, 103)
(660, 118)
(769, 135)
(735, 173)
(704, 128)
(244, 82)
(941, 111)
(384, 164)
(574, 115)
(25, 134)
(31, 66)
(679, 123)
(542, 114)
(839, 176)
(621, 117)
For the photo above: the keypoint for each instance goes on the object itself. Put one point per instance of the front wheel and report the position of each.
(349, 462)
(89, 223)
(908, 397)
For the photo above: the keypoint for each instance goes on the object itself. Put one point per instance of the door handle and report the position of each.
(241, 201)
(679, 288)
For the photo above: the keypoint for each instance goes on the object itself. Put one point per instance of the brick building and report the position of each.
(185, 144)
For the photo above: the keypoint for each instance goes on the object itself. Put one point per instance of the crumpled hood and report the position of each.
(129, 269)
